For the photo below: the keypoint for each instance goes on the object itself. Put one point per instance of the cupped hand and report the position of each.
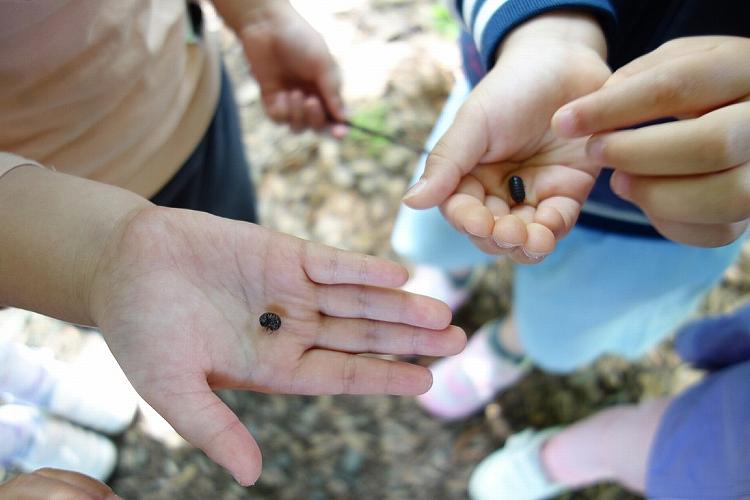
(178, 297)
(692, 176)
(299, 79)
(503, 130)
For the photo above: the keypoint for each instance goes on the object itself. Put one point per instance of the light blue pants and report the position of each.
(597, 293)
(601, 293)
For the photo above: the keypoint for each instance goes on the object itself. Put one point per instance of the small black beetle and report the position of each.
(270, 321)
(517, 191)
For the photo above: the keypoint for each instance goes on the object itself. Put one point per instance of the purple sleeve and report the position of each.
(715, 342)
(702, 446)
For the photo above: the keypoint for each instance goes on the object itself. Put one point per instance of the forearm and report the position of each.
(54, 228)
(239, 14)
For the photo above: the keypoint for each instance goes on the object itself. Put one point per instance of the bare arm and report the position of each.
(54, 228)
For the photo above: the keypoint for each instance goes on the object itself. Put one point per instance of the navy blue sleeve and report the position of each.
(489, 21)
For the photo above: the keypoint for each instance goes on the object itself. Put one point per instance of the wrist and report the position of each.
(572, 30)
(241, 15)
(105, 272)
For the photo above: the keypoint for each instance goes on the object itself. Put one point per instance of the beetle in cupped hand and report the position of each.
(517, 189)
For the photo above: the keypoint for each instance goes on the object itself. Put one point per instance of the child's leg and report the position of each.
(693, 445)
(612, 445)
(604, 293)
(597, 293)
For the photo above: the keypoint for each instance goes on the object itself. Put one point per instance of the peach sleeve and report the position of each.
(9, 161)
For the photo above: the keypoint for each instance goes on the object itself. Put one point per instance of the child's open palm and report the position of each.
(179, 299)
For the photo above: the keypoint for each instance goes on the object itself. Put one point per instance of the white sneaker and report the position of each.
(93, 392)
(32, 440)
(515, 472)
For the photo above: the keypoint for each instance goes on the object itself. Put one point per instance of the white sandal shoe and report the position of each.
(515, 471)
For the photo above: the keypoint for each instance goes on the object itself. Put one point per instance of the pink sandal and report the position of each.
(465, 383)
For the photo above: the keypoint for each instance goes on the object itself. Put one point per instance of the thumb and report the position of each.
(456, 154)
(329, 86)
(205, 421)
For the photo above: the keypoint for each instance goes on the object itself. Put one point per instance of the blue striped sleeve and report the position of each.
(488, 21)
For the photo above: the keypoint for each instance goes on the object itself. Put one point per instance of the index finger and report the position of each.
(331, 266)
(684, 86)
(716, 198)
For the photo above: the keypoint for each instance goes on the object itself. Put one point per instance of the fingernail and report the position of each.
(536, 257)
(504, 244)
(595, 149)
(565, 122)
(244, 484)
(620, 184)
(339, 131)
(415, 189)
